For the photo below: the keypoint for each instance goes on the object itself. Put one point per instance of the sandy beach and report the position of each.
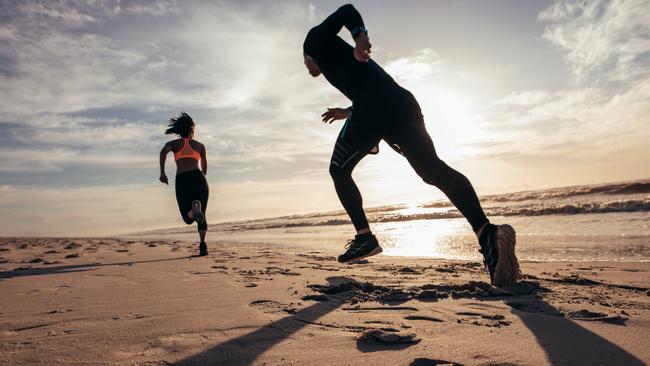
(134, 301)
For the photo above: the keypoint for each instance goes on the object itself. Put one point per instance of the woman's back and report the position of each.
(187, 153)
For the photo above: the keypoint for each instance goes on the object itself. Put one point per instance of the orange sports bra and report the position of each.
(187, 152)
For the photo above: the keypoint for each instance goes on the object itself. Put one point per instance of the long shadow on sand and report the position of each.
(564, 341)
(244, 350)
(76, 268)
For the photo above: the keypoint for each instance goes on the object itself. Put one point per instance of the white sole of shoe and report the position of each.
(507, 270)
(196, 212)
(372, 252)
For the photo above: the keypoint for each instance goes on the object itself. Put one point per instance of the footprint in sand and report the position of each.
(587, 315)
(486, 320)
(424, 317)
(272, 307)
(434, 362)
(57, 311)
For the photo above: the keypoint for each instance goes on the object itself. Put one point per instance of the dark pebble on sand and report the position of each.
(446, 269)
(389, 336)
(461, 294)
(36, 260)
(431, 295)
(73, 255)
(396, 296)
(408, 270)
(4, 249)
(72, 246)
(289, 309)
(316, 297)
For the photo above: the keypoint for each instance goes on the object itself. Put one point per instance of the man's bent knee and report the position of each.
(337, 172)
(433, 173)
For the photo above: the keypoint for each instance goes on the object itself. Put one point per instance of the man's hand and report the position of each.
(362, 47)
(333, 114)
(163, 178)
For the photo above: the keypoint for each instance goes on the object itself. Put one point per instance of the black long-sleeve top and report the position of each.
(359, 81)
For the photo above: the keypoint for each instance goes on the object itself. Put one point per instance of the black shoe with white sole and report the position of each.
(498, 249)
(362, 246)
(203, 249)
(197, 213)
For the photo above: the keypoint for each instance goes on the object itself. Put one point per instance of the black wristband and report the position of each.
(355, 32)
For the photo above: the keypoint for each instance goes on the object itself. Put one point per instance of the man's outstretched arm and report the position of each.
(345, 16)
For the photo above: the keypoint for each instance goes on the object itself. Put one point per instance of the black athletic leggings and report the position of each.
(416, 145)
(190, 186)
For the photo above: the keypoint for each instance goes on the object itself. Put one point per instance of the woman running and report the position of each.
(191, 186)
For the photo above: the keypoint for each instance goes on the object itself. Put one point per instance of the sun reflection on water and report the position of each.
(450, 238)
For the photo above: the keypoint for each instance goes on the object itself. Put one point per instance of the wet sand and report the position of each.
(134, 301)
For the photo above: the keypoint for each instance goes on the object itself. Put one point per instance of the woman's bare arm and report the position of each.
(204, 160)
(163, 157)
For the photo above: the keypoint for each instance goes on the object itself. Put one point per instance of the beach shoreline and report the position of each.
(149, 302)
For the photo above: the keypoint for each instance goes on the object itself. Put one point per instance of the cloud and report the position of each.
(603, 39)
(525, 98)
(422, 65)
(97, 79)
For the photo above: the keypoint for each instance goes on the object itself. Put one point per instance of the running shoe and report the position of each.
(203, 249)
(498, 249)
(362, 246)
(196, 211)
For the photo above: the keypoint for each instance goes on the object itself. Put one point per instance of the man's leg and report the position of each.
(419, 151)
(497, 242)
(344, 159)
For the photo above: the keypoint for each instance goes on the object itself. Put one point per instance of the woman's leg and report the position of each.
(184, 198)
(203, 192)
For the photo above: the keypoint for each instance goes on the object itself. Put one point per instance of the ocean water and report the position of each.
(606, 222)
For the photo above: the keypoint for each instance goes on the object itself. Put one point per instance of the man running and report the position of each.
(381, 109)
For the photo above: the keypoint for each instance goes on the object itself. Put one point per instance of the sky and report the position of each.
(516, 95)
